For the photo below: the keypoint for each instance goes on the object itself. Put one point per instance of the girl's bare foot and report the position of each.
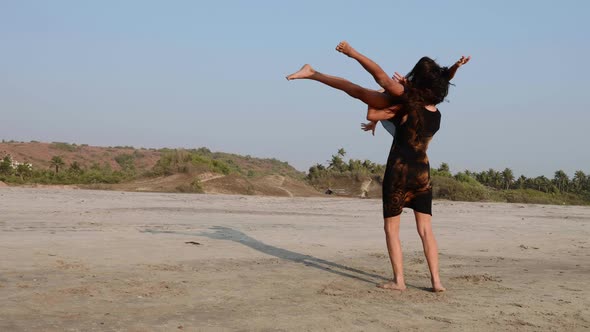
(344, 48)
(305, 72)
(438, 287)
(393, 286)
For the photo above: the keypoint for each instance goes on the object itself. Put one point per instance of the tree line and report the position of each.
(498, 185)
(61, 173)
(506, 179)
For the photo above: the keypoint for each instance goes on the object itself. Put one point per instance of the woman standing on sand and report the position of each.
(407, 177)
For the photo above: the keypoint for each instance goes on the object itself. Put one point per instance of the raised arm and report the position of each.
(457, 65)
(392, 87)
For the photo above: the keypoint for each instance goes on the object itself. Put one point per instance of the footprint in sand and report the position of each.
(63, 265)
(332, 290)
(439, 319)
(477, 278)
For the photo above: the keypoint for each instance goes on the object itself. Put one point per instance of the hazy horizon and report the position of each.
(186, 74)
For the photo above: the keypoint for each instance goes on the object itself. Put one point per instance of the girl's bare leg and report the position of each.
(424, 226)
(394, 248)
(370, 97)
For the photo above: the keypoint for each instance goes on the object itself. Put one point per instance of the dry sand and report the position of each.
(77, 260)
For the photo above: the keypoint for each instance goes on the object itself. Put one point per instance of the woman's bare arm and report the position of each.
(378, 114)
(457, 65)
(390, 85)
(374, 114)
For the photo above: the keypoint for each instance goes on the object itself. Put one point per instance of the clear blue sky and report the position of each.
(211, 73)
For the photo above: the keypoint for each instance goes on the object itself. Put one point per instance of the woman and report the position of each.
(411, 106)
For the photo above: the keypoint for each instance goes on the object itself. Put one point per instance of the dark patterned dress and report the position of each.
(407, 175)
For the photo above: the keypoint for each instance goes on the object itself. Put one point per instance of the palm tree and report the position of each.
(542, 183)
(579, 180)
(444, 167)
(494, 178)
(341, 152)
(57, 162)
(522, 180)
(561, 180)
(507, 177)
(336, 163)
(367, 164)
(354, 165)
(483, 178)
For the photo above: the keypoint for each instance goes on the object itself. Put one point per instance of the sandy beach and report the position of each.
(79, 260)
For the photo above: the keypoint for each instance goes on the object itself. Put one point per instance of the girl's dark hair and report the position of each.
(427, 84)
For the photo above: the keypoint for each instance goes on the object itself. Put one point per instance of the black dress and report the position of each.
(407, 175)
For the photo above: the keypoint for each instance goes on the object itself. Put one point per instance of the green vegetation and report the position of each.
(23, 173)
(58, 170)
(503, 186)
(127, 162)
(338, 171)
(490, 185)
(57, 162)
(64, 146)
(193, 187)
(201, 160)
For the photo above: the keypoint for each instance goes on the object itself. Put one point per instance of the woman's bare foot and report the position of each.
(305, 72)
(344, 48)
(437, 287)
(393, 286)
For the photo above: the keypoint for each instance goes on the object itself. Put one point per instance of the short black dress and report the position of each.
(407, 175)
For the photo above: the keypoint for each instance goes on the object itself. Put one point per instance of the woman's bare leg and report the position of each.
(370, 97)
(424, 226)
(394, 248)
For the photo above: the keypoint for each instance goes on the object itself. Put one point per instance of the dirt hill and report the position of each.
(39, 154)
(169, 170)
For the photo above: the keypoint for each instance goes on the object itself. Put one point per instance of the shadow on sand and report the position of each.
(226, 233)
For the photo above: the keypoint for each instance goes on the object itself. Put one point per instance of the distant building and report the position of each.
(14, 164)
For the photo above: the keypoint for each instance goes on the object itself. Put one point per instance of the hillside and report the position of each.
(39, 154)
(159, 170)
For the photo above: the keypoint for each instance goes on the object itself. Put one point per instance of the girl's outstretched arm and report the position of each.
(390, 85)
(457, 65)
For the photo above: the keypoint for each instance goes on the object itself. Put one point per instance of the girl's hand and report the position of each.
(462, 61)
(457, 65)
(369, 126)
(345, 48)
(401, 79)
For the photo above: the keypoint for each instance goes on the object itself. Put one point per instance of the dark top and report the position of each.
(407, 175)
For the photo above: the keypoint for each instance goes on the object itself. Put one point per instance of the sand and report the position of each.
(78, 260)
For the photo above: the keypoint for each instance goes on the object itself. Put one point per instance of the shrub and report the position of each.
(449, 188)
(193, 187)
(64, 146)
(126, 161)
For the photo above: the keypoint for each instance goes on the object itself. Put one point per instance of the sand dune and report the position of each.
(81, 260)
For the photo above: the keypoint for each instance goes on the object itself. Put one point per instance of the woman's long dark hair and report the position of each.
(427, 84)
